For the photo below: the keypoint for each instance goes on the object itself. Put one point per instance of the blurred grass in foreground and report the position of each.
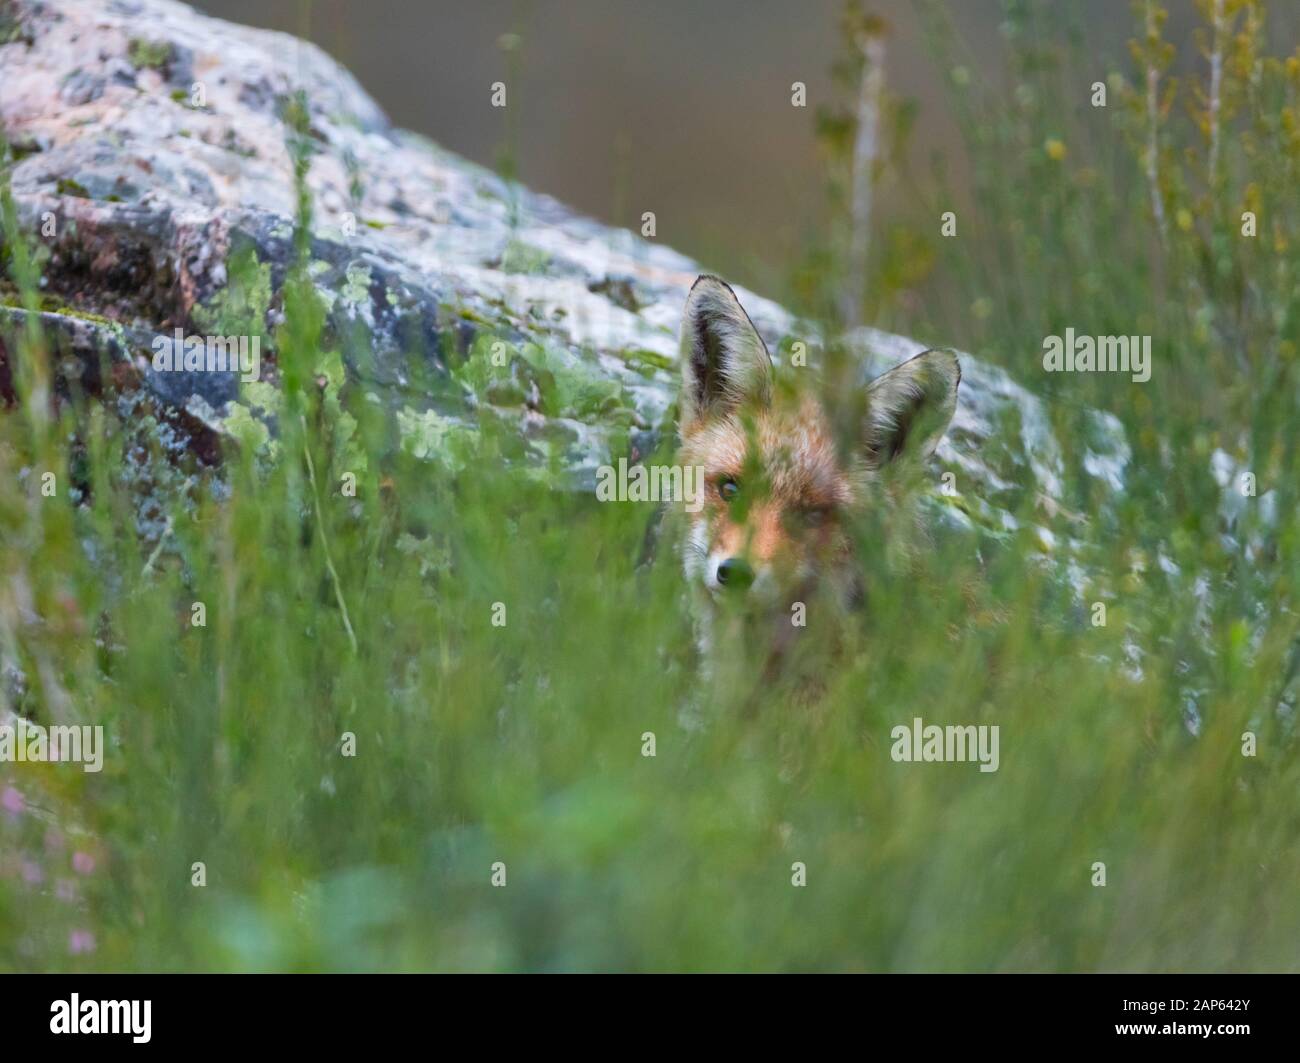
(523, 743)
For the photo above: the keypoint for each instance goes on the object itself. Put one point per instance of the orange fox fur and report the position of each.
(778, 493)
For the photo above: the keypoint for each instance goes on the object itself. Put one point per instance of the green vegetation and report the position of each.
(328, 615)
(149, 55)
(67, 186)
(11, 26)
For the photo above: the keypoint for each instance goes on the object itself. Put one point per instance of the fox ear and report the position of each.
(909, 407)
(725, 363)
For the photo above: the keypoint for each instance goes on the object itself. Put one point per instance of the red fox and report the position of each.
(778, 494)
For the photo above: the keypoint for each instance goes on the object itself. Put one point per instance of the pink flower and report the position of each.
(12, 801)
(65, 889)
(81, 942)
(32, 873)
(83, 863)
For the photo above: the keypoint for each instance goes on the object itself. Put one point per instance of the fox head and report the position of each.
(777, 492)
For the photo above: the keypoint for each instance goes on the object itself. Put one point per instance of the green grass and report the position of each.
(522, 743)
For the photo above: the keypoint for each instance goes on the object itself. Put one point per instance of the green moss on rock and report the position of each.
(149, 55)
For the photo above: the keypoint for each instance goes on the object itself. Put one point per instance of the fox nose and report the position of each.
(735, 574)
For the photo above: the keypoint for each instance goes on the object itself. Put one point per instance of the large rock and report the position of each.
(157, 140)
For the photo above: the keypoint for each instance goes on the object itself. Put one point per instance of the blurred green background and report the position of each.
(678, 107)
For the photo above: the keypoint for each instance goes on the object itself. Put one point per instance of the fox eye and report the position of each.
(728, 488)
